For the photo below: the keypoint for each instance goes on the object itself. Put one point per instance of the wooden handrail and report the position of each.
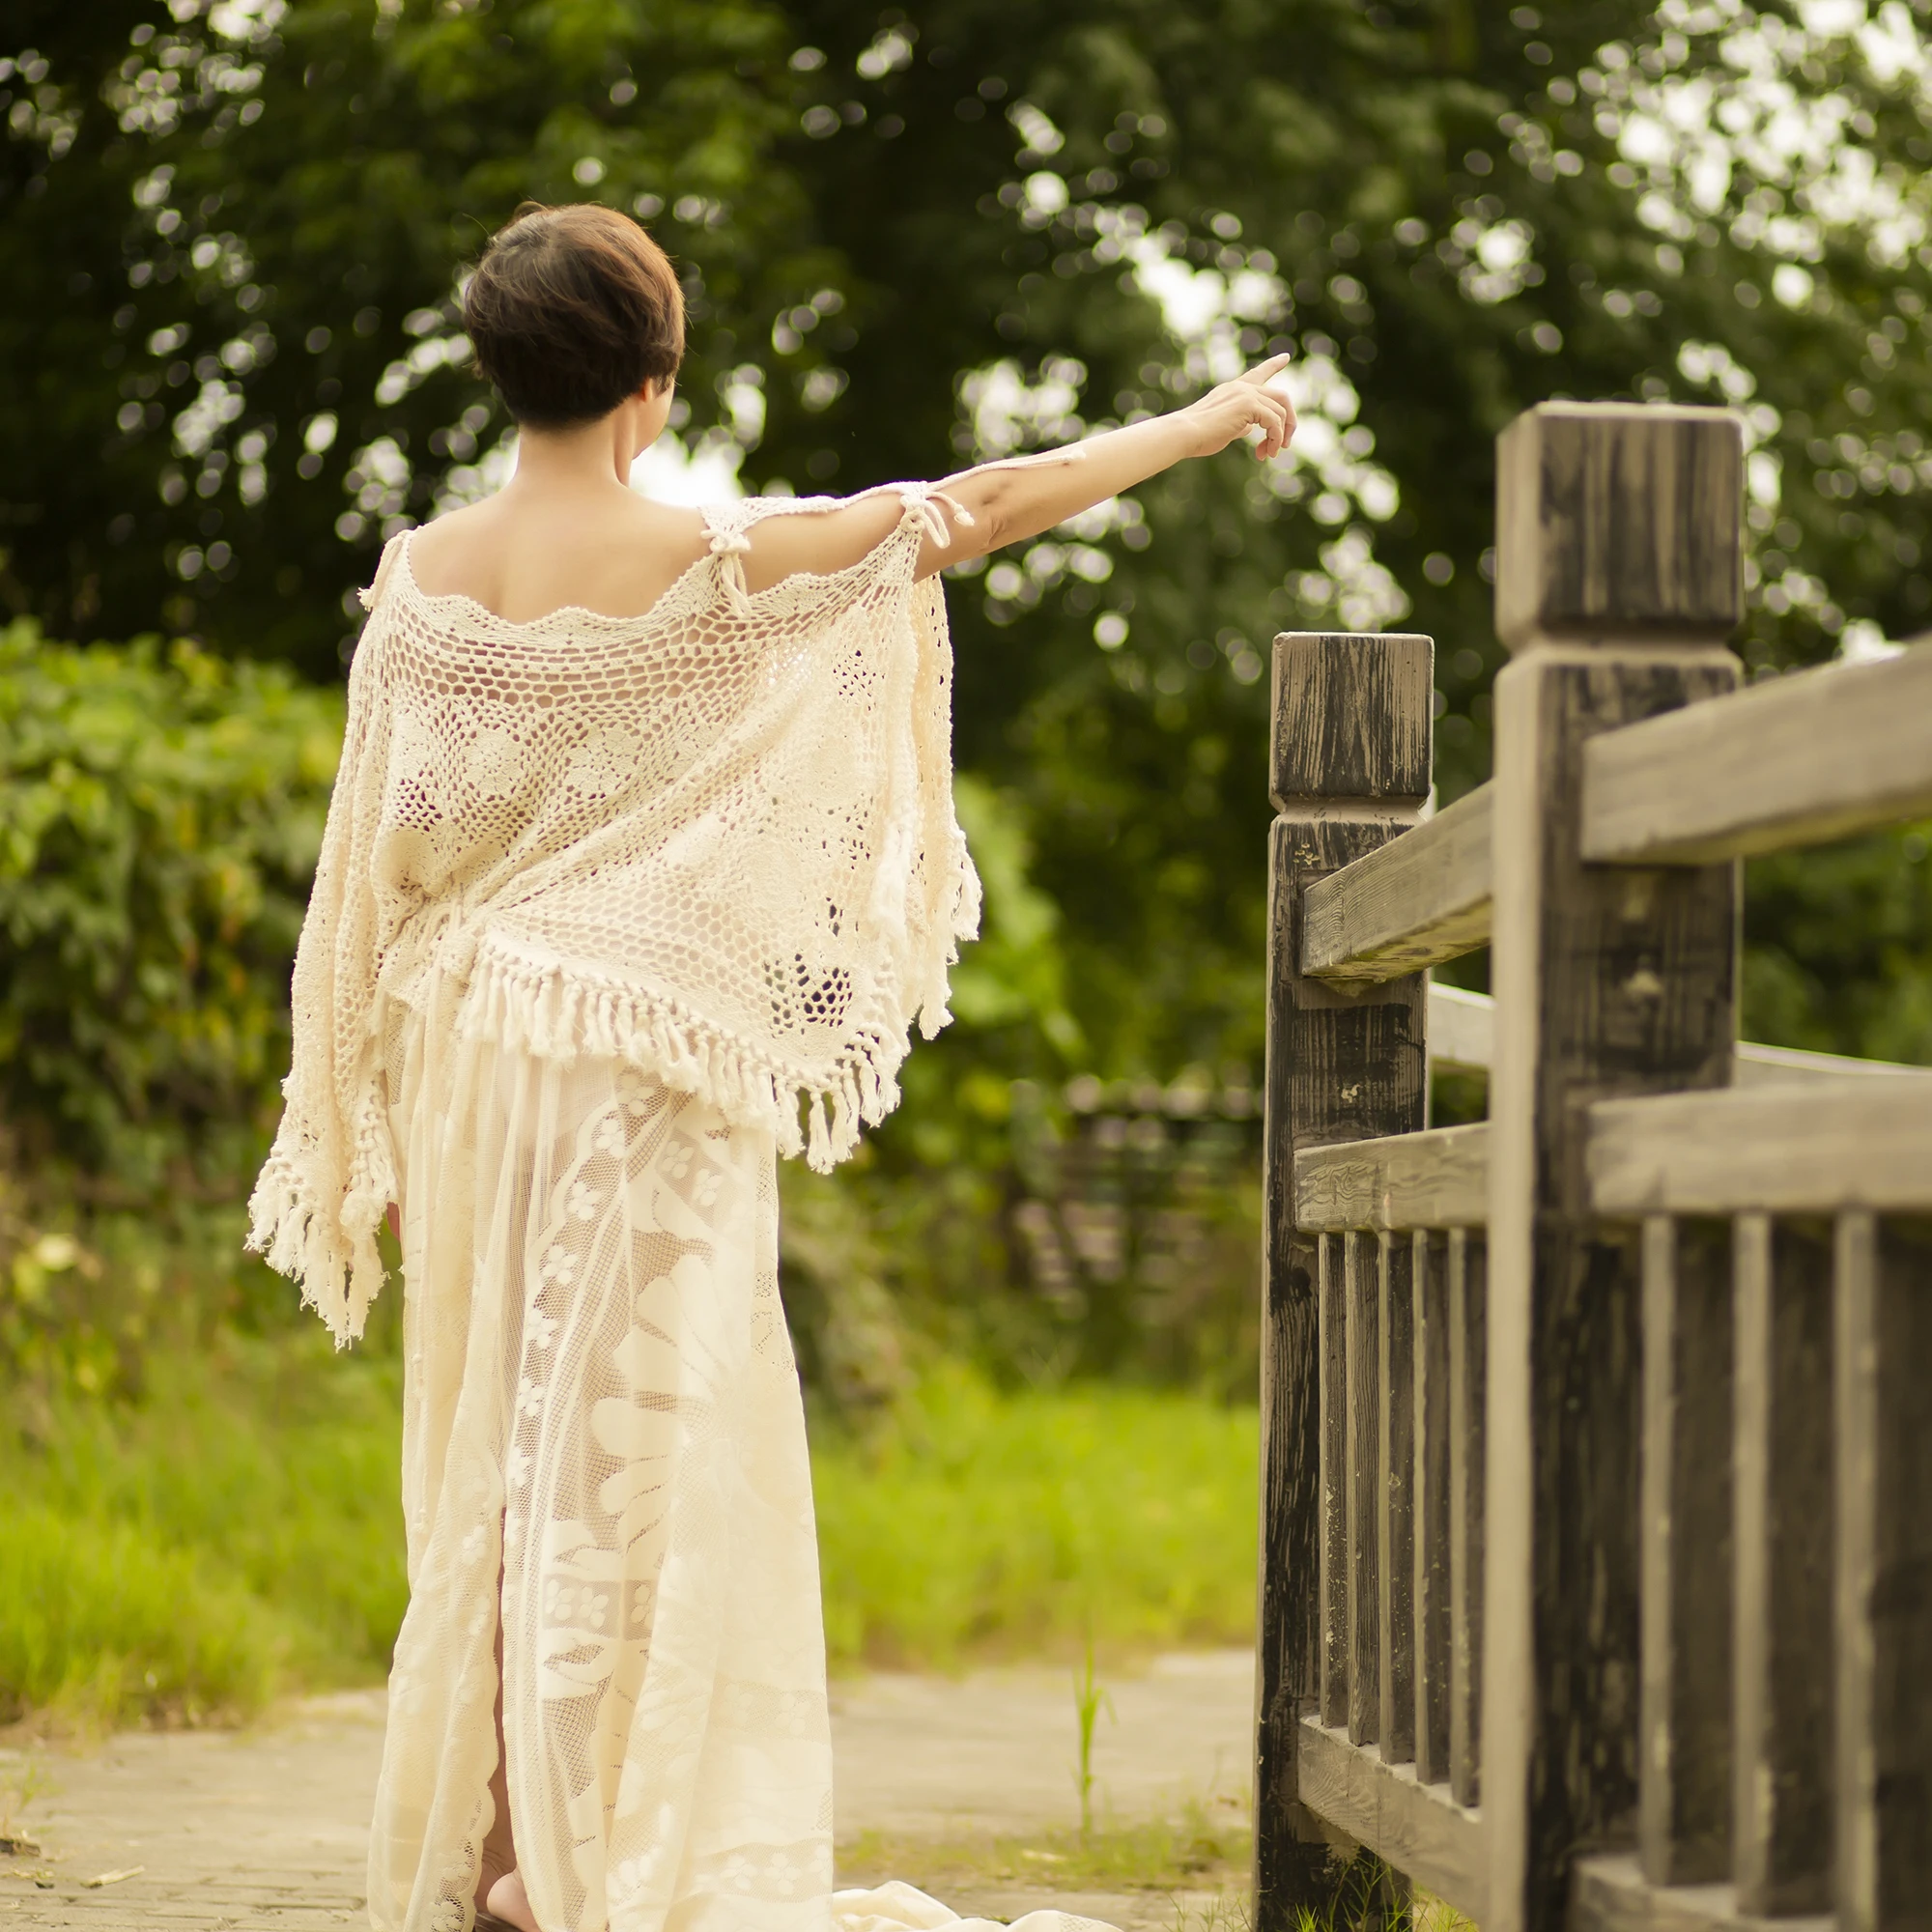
(1813, 1148)
(1792, 761)
(1421, 898)
(1438, 1179)
(1461, 1037)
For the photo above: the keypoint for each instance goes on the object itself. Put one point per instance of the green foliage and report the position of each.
(232, 236)
(99, 1622)
(159, 817)
(968, 1522)
(235, 1530)
(232, 1534)
(1838, 948)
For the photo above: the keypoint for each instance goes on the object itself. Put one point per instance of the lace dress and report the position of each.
(600, 1403)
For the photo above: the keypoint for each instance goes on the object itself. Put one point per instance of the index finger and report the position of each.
(1262, 371)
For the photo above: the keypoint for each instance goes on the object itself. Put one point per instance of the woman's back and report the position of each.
(522, 556)
(567, 534)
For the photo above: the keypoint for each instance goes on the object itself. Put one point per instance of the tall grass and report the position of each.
(234, 1534)
(978, 1522)
(237, 1532)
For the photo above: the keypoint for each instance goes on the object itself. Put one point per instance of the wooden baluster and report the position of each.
(1431, 1324)
(1395, 1529)
(1469, 1373)
(1334, 1503)
(1685, 1780)
(1351, 769)
(1619, 573)
(1883, 1359)
(1782, 1696)
(1364, 1486)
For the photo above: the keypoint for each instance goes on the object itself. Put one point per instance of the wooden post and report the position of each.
(1351, 769)
(1619, 574)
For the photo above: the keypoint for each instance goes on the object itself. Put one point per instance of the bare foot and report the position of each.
(509, 1902)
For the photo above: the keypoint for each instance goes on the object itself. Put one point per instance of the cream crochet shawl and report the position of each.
(716, 840)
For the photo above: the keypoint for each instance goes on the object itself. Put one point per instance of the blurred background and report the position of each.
(231, 237)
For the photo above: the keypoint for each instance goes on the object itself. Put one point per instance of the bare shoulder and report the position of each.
(614, 552)
(819, 541)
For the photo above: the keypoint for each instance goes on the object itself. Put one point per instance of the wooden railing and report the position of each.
(1597, 1518)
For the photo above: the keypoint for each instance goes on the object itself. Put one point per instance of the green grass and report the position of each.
(1205, 1848)
(975, 1522)
(233, 1535)
(236, 1533)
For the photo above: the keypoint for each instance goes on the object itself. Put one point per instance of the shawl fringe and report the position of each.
(560, 1012)
(327, 1246)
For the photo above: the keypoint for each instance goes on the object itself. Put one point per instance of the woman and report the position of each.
(642, 839)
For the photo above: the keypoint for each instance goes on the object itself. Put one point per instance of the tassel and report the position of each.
(819, 1144)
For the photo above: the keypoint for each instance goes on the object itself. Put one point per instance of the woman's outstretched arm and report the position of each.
(1009, 503)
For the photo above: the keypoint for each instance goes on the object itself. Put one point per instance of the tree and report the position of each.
(233, 234)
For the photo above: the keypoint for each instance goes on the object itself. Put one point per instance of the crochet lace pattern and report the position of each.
(715, 842)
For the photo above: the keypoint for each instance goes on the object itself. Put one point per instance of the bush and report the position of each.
(161, 811)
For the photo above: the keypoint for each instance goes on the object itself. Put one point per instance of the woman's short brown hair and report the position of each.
(571, 310)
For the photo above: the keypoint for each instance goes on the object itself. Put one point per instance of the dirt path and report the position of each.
(268, 1828)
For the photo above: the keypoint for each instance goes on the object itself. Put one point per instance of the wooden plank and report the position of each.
(1395, 1530)
(1755, 1065)
(1468, 1368)
(1437, 1178)
(1781, 1693)
(1788, 762)
(1429, 1266)
(1882, 1358)
(1684, 1809)
(1419, 899)
(1811, 1148)
(1363, 1296)
(1618, 521)
(1346, 720)
(1350, 769)
(1416, 1828)
(1462, 1036)
(1618, 553)
(1334, 1493)
(1610, 1893)
(1461, 1028)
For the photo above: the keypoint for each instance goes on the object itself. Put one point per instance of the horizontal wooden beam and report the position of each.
(1435, 1180)
(1463, 1028)
(1421, 898)
(1787, 762)
(1815, 1147)
(1418, 1828)
(1754, 1066)
(1610, 1893)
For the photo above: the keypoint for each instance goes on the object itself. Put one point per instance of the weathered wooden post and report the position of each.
(1618, 579)
(1351, 769)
